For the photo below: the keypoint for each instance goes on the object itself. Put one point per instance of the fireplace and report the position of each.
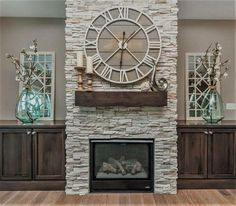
(98, 119)
(121, 165)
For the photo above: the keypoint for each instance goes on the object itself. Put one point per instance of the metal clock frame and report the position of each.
(152, 64)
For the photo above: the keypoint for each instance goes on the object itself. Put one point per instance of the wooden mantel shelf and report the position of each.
(120, 98)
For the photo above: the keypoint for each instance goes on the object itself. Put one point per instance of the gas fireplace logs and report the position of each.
(122, 166)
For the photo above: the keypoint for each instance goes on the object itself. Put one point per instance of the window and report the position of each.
(196, 85)
(43, 82)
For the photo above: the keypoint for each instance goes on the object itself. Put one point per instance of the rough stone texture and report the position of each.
(84, 123)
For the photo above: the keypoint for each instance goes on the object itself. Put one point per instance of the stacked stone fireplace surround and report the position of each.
(84, 123)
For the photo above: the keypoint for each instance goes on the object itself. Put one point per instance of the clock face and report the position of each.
(124, 44)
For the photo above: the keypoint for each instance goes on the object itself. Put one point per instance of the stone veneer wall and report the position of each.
(83, 123)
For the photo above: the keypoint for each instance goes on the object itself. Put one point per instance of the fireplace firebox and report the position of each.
(121, 165)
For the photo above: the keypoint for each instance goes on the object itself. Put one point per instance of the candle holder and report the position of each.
(90, 82)
(80, 71)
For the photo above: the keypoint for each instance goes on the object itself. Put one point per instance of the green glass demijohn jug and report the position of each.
(212, 106)
(28, 106)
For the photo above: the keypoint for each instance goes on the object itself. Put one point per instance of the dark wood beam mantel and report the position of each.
(120, 98)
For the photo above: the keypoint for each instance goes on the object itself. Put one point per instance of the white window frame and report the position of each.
(52, 81)
(187, 55)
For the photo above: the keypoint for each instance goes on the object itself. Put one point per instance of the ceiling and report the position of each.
(188, 9)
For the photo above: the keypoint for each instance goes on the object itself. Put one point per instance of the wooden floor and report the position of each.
(183, 198)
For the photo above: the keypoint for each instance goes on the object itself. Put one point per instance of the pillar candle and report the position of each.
(80, 58)
(89, 65)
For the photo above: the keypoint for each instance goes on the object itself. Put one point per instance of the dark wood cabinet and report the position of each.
(32, 157)
(206, 156)
(192, 153)
(222, 154)
(16, 150)
(49, 154)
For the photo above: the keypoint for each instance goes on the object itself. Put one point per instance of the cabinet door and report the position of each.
(49, 151)
(192, 153)
(221, 154)
(15, 155)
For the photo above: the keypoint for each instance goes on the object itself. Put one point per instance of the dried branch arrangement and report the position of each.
(216, 68)
(24, 73)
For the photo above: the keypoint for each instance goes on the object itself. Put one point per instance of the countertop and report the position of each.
(201, 124)
(38, 124)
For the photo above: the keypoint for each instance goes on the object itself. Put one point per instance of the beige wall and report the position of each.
(17, 33)
(196, 36)
(235, 58)
(1, 86)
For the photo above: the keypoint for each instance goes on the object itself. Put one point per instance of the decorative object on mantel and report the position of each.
(28, 104)
(89, 82)
(89, 73)
(124, 43)
(80, 70)
(157, 84)
(212, 104)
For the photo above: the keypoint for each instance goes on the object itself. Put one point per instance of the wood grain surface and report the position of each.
(183, 198)
(119, 98)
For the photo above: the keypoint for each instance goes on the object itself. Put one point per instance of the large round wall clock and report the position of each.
(124, 44)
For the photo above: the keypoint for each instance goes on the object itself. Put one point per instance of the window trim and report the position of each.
(53, 86)
(187, 55)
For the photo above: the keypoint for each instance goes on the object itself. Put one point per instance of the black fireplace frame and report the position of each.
(123, 185)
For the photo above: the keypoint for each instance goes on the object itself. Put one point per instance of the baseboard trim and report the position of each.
(206, 183)
(32, 185)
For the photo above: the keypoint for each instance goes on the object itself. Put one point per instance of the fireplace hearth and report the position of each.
(121, 165)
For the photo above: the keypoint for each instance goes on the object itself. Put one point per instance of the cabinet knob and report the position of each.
(210, 132)
(28, 132)
(206, 132)
(33, 132)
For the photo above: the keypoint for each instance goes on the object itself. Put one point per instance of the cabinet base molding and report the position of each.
(32, 185)
(206, 183)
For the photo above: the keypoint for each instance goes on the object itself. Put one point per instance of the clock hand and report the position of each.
(122, 50)
(123, 43)
(132, 35)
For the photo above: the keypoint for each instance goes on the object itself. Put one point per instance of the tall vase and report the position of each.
(28, 106)
(212, 106)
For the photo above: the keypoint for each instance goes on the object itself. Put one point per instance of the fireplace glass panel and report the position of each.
(121, 159)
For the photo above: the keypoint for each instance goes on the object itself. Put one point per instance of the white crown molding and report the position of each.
(188, 9)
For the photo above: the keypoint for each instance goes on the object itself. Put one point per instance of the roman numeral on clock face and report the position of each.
(96, 59)
(107, 16)
(150, 61)
(94, 28)
(106, 72)
(139, 73)
(123, 13)
(154, 45)
(123, 76)
(90, 44)
(150, 28)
